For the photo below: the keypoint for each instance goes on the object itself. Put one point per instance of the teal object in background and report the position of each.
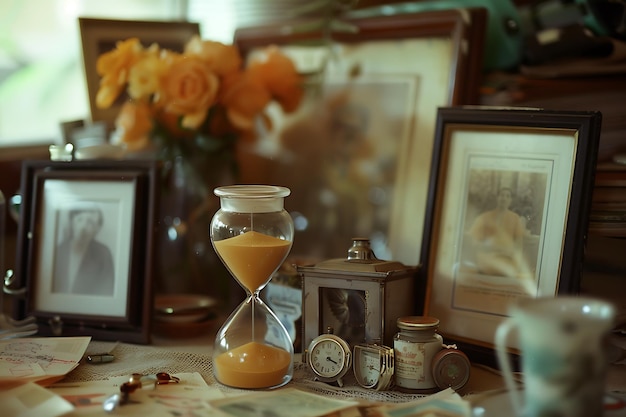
(503, 36)
(592, 14)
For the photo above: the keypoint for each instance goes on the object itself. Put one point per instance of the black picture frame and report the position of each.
(126, 194)
(481, 150)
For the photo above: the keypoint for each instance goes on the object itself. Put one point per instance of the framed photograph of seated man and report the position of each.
(508, 207)
(85, 247)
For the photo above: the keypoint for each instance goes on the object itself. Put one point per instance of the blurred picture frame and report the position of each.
(437, 54)
(109, 208)
(508, 207)
(101, 35)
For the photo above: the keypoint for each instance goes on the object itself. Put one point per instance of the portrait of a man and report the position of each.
(497, 236)
(82, 263)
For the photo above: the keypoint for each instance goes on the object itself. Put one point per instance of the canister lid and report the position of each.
(451, 369)
(417, 322)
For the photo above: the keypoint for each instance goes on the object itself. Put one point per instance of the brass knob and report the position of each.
(361, 250)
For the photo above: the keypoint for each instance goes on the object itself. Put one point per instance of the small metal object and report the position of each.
(135, 382)
(360, 296)
(329, 357)
(164, 378)
(451, 368)
(361, 249)
(373, 366)
(111, 402)
(56, 325)
(100, 358)
(61, 152)
(9, 280)
(106, 357)
(10, 327)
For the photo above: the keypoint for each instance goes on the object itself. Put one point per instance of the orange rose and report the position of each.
(176, 92)
(189, 90)
(244, 98)
(144, 76)
(279, 74)
(114, 66)
(134, 124)
(219, 58)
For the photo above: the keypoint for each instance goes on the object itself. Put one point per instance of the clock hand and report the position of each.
(328, 358)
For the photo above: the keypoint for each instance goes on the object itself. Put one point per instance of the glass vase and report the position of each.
(187, 263)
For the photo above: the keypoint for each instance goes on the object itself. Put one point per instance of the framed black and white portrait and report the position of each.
(91, 222)
(508, 208)
(85, 247)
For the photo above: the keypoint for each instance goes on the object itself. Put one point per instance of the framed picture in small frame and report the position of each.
(508, 207)
(85, 247)
(100, 35)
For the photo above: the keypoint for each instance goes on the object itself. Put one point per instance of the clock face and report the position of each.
(367, 367)
(328, 358)
(373, 366)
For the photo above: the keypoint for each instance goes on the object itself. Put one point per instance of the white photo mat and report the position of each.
(117, 200)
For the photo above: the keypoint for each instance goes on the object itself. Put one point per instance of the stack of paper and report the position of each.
(39, 359)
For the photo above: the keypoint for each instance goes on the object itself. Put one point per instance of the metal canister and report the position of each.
(415, 346)
(451, 368)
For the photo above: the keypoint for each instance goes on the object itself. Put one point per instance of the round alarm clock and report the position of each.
(329, 357)
(373, 366)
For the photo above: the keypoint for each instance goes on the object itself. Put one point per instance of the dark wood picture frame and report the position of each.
(100, 35)
(456, 38)
(126, 193)
(544, 160)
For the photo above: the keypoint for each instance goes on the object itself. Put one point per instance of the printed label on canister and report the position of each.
(413, 364)
(409, 364)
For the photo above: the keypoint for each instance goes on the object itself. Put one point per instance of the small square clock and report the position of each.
(358, 297)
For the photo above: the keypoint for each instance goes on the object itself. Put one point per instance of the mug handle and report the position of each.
(502, 333)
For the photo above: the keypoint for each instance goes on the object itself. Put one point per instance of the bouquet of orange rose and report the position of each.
(204, 93)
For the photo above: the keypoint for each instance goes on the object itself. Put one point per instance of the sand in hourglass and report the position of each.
(252, 257)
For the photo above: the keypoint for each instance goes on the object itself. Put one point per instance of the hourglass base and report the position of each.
(252, 349)
(253, 365)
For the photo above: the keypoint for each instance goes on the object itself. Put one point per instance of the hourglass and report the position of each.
(252, 234)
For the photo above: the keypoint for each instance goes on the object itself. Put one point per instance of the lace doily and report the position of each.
(150, 360)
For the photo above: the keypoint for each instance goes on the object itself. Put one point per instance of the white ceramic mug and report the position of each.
(563, 348)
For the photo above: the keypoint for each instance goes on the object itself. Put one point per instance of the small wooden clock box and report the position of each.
(359, 297)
